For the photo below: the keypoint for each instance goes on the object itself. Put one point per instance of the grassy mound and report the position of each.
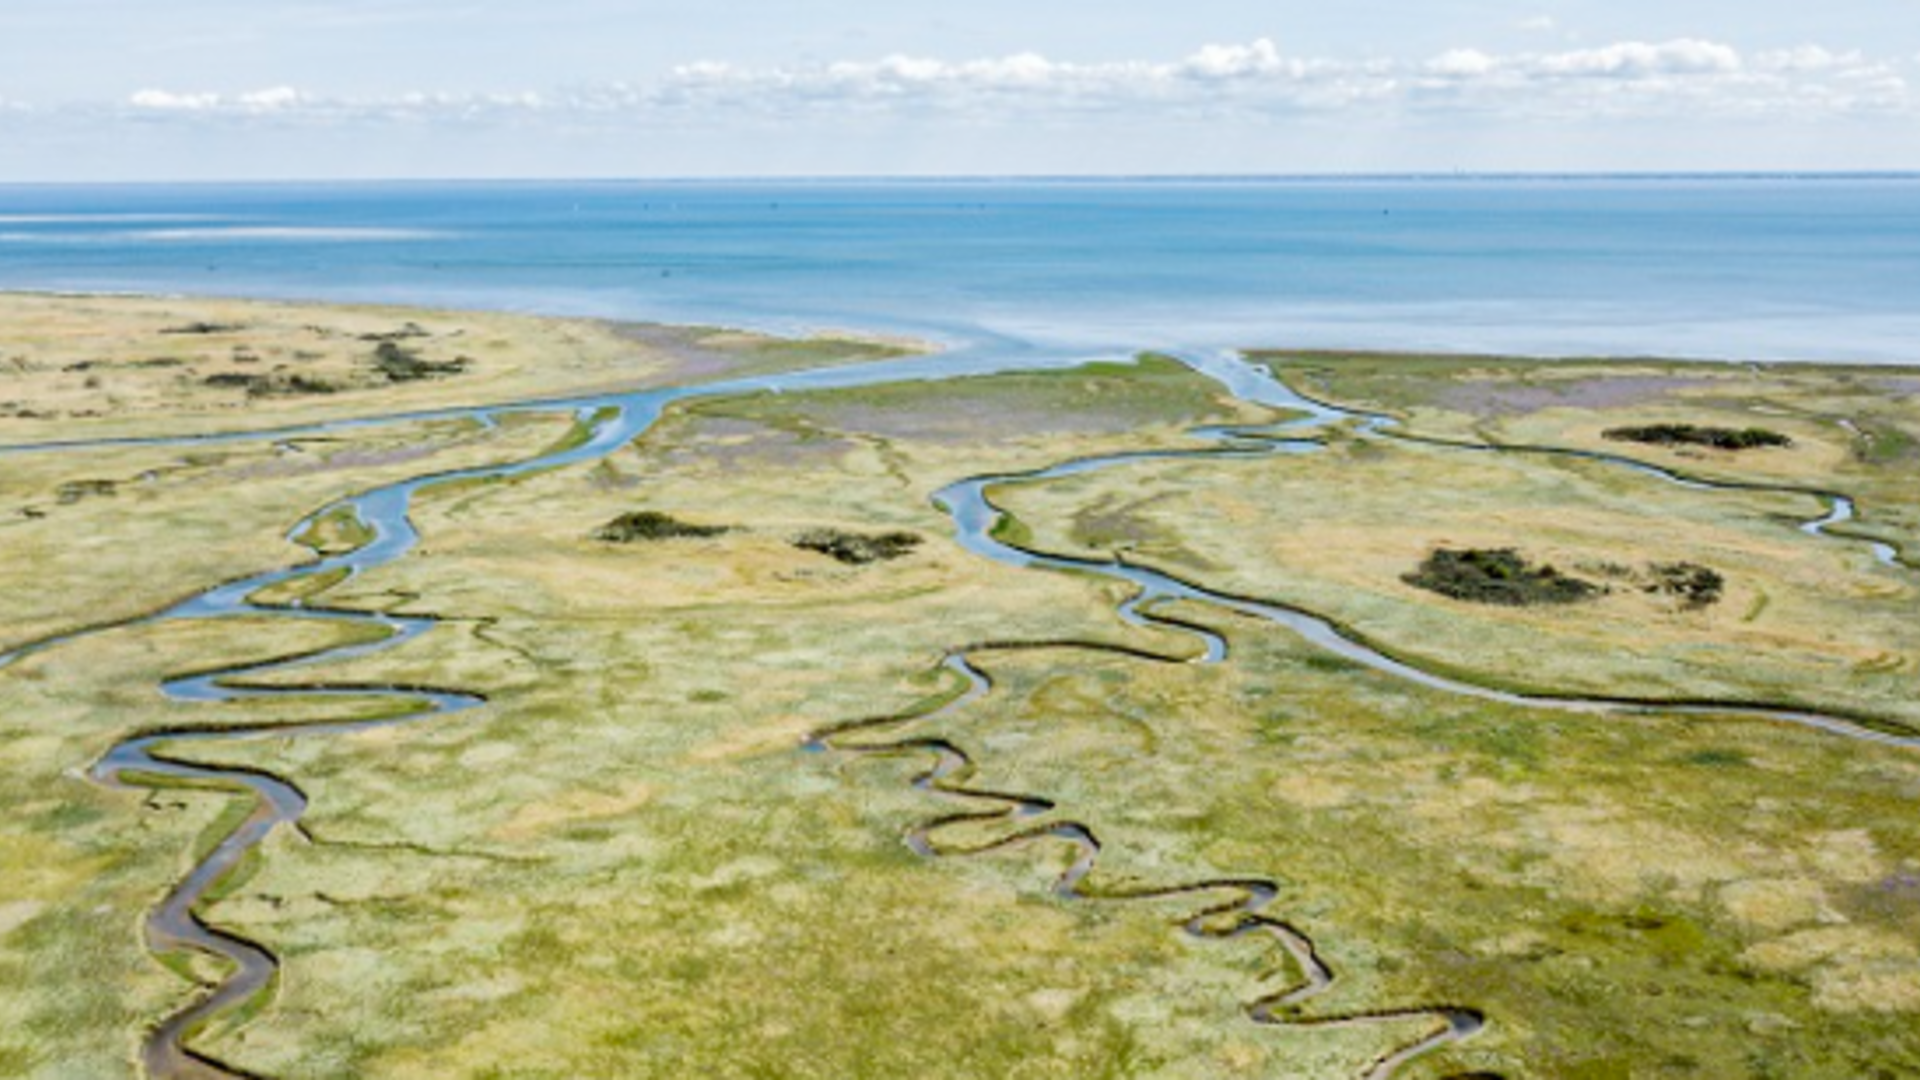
(644, 525)
(1497, 576)
(855, 549)
(1696, 586)
(403, 365)
(1718, 438)
(274, 385)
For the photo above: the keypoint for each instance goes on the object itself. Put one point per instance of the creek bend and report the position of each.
(1231, 908)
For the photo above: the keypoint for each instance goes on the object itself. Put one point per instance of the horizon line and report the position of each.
(1458, 175)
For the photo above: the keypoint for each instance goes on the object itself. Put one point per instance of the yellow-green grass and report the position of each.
(634, 681)
(93, 537)
(84, 863)
(180, 520)
(134, 704)
(727, 897)
(98, 535)
(73, 367)
(1806, 620)
(626, 864)
(1854, 428)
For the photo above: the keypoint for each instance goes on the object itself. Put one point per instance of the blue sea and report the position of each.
(1763, 268)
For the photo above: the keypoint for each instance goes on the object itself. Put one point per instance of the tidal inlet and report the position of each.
(407, 692)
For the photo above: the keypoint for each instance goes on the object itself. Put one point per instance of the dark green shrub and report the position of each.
(1697, 586)
(644, 525)
(1694, 435)
(1497, 576)
(855, 549)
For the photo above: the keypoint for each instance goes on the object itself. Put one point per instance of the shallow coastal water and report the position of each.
(1741, 268)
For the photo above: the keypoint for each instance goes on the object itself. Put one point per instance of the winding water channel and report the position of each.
(1228, 908)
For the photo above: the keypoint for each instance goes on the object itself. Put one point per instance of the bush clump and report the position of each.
(404, 365)
(74, 490)
(204, 328)
(855, 549)
(1497, 576)
(261, 386)
(407, 330)
(1694, 435)
(644, 525)
(1696, 586)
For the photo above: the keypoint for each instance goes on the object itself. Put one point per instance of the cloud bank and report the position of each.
(1692, 77)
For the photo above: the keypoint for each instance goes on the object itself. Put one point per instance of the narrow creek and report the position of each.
(1232, 908)
(1236, 907)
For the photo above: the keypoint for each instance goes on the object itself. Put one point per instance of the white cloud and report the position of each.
(1234, 61)
(167, 101)
(1684, 76)
(1687, 78)
(272, 99)
(1807, 58)
(1461, 64)
(1254, 75)
(1626, 62)
(1649, 78)
(1638, 59)
(279, 97)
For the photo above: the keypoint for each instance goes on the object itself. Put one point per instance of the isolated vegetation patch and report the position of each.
(856, 549)
(407, 330)
(1497, 576)
(75, 490)
(404, 365)
(1718, 438)
(278, 384)
(1694, 585)
(204, 328)
(644, 525)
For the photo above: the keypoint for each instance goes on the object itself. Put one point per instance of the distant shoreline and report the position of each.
(928, 345)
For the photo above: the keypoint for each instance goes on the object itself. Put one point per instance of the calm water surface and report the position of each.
(1740, 268)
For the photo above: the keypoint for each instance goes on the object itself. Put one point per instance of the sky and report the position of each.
(118, 90)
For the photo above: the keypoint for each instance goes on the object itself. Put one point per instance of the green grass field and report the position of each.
(630, 863)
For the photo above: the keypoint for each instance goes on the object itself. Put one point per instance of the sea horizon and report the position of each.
(1747, 266)
(765, 179)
